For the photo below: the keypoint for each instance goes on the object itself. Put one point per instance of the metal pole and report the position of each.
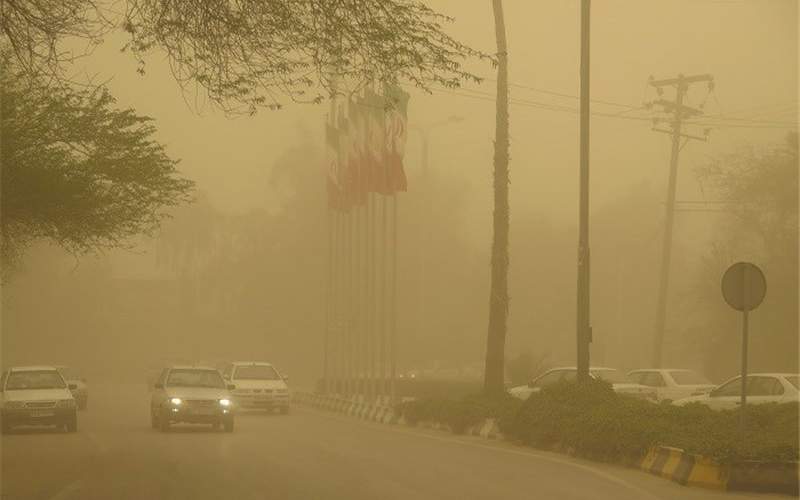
(424, 248)
(359, 312)
(328, 306)
(371, 341)
(583, 332)
(743, 409)
(384, 271)
(340, 322)
(347, 354)
(393, 305)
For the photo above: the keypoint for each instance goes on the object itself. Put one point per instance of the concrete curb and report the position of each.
(695, 470)
(382, 412)
(670, 463)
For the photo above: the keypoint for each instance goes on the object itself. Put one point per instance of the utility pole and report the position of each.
(583, 324)
(679, 112)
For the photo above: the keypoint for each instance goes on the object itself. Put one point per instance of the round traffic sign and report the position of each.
(744, 286)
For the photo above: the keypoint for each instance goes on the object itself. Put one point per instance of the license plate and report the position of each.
(42, 413)
(204, 411)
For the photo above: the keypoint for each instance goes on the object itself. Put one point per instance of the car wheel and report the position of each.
(153, 420)
(216, 425)
(84, 404)
(228, 424)
(72, 424)
(6, 428)
(163, 422)
(285, 410)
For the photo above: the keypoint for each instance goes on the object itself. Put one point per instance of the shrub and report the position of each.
(595, 422)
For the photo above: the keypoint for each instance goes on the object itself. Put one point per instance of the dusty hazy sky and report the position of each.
(750, 46)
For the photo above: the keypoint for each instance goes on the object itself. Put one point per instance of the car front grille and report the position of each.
(40, 404)
(202, 403)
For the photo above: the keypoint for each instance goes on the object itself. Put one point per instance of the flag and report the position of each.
(377, 142)
(356, 171)
(396, 134)
(336, 199)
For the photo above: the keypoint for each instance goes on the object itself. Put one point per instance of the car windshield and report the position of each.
(68, 373)
(34, 379)
(794, 380)
(195, 378)
(612, 376)
(256, 372)
(689, 377)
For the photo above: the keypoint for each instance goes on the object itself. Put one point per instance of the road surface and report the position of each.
(305, 455)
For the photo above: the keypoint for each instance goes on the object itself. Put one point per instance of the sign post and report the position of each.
(744, 287)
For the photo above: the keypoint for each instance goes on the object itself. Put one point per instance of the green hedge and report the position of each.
(593, 421)
(459, 414)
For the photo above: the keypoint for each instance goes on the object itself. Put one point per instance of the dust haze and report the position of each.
(243, 270)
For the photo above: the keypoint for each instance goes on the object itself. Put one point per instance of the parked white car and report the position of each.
(761, 388)
(36, 395)
(257, 385)
(617, 380)
(671, 384)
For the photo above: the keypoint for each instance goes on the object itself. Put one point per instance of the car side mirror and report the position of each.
(231, 387)
(72, 387)
(158, 385)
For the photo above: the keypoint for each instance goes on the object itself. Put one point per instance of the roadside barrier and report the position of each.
(695, 470)
(670, 463)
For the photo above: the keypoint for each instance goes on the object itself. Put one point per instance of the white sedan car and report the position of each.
(761, 388)
(672, 384)
(36, 395)
(258, 386)
(617, 380)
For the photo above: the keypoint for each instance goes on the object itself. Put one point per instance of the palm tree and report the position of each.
(498, 296)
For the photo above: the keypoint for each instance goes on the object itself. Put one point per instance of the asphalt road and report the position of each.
(304, 455)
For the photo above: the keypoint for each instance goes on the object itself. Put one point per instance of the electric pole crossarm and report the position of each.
(688, 136)
(682, 79)
(685, 111)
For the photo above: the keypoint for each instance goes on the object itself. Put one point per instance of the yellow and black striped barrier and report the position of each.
(695, 470)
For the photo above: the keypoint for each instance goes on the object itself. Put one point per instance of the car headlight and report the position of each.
(14, 404)
(65, 403)
(176, 401)
(225, 402)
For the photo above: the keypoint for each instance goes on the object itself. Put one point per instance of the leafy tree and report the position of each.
(761, 188)
(77, 171)
(246, 54)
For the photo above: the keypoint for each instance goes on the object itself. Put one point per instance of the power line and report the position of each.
(568, 96)
(721, 122)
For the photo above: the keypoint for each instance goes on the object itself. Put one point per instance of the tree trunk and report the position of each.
(498, 296)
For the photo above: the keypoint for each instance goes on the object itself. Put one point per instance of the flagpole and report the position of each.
(393, 303)
(372, 302)
(328, 306)
(384, 272)
(338, 305)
